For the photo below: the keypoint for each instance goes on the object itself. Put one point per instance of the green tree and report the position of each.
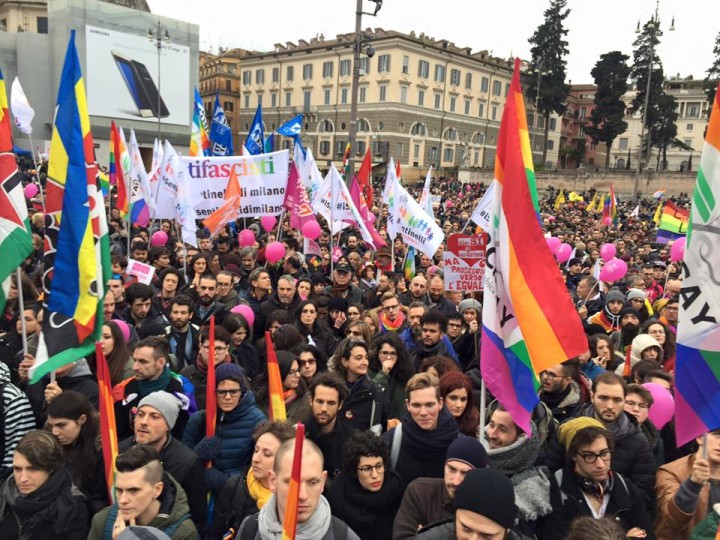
(607, 119)
(713, 75)
(663, 132)
(548, 59)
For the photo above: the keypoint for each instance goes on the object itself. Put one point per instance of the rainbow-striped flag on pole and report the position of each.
(275, 391)
(609, 212)
(108, 429)
(697, 372)
(529, 320)
(291, 507)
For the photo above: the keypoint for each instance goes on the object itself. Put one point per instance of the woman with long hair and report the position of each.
(312, 361)
(313, 329)
(391, 368)
(243, 352)
(370, 317)
(197, 266)
(665, 338)
(295, 391)
(117, 354)
(456, 391)
(358, 330)
(74, 422)
(602, 352)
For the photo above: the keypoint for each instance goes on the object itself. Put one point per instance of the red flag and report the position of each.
(210, 395)
(359, 201)
(364, 178)
(398, 172)
(296, 200)
(291, 507)
(108, 429)
(275, 390)
(228, 210)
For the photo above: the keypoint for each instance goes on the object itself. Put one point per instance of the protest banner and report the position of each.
(143, 272)
(464, 262)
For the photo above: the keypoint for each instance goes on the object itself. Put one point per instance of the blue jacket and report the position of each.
(234, 429)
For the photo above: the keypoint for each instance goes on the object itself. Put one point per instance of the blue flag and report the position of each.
(256, 137)
(269, 143)
(221, 139)
(292, 127)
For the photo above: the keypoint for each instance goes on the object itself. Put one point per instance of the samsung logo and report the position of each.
(99, 32)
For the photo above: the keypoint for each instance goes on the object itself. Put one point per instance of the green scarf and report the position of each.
(161, 383)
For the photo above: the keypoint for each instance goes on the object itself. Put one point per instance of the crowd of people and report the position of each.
(384, 371)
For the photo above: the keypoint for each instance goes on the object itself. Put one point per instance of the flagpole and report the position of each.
(483, 405)
(332, 220)
(21, 302)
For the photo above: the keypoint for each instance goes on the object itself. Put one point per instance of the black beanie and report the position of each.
(629, 311)
(488, 493)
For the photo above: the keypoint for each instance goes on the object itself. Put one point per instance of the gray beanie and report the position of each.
(636, 293)
(614, 294)
(166, 404)
(470, 303)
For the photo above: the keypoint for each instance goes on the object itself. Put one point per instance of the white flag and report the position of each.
(636, 212)
(21, 109)
(165, 190)
(426, 198)
(412, 222)
(327, 197)
(481, 214)
(185, 210)
(140, 197)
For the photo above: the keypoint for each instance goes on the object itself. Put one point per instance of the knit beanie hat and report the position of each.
(614, 294)
(229, 371)
(136, 532)
(489, 493)
(165, 403)
(568, 430)
(337, 304)
(469, 303)
(629, 311)
(636, 293)
(469, 450)
(285, 360)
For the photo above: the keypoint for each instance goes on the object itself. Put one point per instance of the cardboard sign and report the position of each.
(464, 262)
(143, 272)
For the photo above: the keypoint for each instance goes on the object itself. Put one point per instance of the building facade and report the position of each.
(421, 100)
(576, 147)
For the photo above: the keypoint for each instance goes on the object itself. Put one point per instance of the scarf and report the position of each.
(531, 484)
(161, 383)
(202, 365)
(257, 491)
(52, 502)
(315, 528)
(289, 396)
(339, 290)
(392, 326)
(554, 399)
(429, 444)
(608, 321)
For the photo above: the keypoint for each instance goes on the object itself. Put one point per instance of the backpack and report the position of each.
(112, 516)
(249, 528)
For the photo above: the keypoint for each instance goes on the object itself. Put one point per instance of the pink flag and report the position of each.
(359, 201)
(296, 200)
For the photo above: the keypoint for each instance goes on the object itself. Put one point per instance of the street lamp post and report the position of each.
(160, 36)
(540, 74)
(653, 26)
(352, 134)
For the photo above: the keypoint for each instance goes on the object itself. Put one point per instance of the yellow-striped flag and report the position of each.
(560, 200)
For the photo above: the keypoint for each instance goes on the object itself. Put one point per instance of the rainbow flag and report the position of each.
(275, 391)
(609, 213)
(108, 429)
(697, 371)
(529, 320)
(199, 138)
(346, 158)
(104, 182)
(210, 395)
(291, 508)
(77, 248)
(673, 223)
(409, 264)
(659, 194)
(119, 160)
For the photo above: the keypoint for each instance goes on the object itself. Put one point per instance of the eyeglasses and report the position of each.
(217, 349)
(368, 469)
(389, 354)
(225, 393)
(294, 372)
(354, 333)
(396, 306)
(309, 362)
(633, 404)
(551, 375)
(591, 457)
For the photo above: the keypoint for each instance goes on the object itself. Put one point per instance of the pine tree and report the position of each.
(548, 55)
(608, 117)
(713, 75)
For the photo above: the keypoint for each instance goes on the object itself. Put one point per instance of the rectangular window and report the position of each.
(477, 158)
(340, 147)
(383, 92)
(468, 81)
(583, 112)
(364, 65)
(551, 144)
(345, 68)
(623, 143)
(448, 154)
(437, 100)
(452, 104)
(416, 151)
(327, 69)
(423, 69)
(228, 106)
(326, 99)
(688, 142)
(273, 99)
(324, 148)
(439, 73)
(493, 112)
(384, 63)
(307, 72)
(246, 101)
(42, 25)
(403, 94)
(455, 77)
(421, 98)
(467, 106)
(228, 86)
(541, 122)
(362, 94)
(406, 65)
(307, 94)
(343, 95)
(481, 110)
(288, 98)
(289, 73)
(275, 74)
(689, 127)
(484, 85)
(507, 89)
(247, 77)
(401, 150)
(433, 153)
(692, 110)
(360, 147)
(260, 76)
(497, 88)
(553, 124)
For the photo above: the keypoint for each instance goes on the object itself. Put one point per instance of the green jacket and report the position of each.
(707, 529)
(174, 515)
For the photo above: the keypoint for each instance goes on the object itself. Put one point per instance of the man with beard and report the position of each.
(609, 317)
(574, 274)
(589, 299)
(412, 335)
(560, 391)
(433, 326)
(207, 303)
(140, 310)
(669, 314)
(629, 328)
(226, 293)
(327, 394)
(248, 259)
(182, 335)
(285, 298)
(387, 283)
(436, 292)
(417, 292)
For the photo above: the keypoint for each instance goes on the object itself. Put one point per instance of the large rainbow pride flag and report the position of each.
(529, 320)
(673, 223)
(697, 372)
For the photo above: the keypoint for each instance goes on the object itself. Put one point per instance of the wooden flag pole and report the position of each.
(21, 302)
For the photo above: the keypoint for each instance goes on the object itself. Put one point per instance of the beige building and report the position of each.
(692, 108)
(421, 100)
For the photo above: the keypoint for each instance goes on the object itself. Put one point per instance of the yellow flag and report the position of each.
(560, 199)
(600, 204)
(591, 207)
(573, 197)
(658, 213)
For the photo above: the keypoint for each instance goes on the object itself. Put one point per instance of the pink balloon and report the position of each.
(268, 222)
(31, 190)
(554, 244)
(607, 221)
(311, 230)
(614, 270)
(159, 238)
(677, 251)
(608, 251)
(563, 253)
(621, 269)
(246, 238)
(246, 311)
(663, 408)
(274, 252)
(124, 328)
(551, 218)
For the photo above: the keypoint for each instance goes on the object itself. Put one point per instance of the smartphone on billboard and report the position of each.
(141, 87)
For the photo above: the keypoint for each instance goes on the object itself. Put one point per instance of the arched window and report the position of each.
(363, 125)
(418, 129)
(451, 134)
(478, 138)
(325, 126)
(620, 164)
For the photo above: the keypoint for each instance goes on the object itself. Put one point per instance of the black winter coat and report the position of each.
(358, 407)
(233, 505)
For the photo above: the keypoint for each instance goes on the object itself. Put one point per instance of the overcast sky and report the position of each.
(502, 27)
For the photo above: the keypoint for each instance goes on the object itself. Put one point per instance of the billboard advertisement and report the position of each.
(123, 82)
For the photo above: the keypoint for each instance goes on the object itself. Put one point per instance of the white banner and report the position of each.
(464, 262)
(481, 214)
(143, 272)
(412, 222)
